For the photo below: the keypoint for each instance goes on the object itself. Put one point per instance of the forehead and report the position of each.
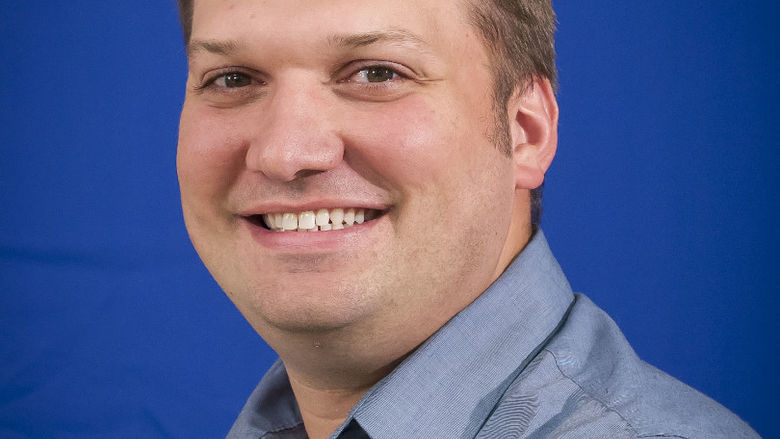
(435, 22)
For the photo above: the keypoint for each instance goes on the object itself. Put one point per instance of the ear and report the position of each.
(533, 128)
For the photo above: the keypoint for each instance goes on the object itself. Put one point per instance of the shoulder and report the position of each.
(587, 381)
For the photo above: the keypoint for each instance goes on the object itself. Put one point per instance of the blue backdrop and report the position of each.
(661, 205)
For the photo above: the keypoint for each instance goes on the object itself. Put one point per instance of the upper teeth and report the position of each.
(322, 219)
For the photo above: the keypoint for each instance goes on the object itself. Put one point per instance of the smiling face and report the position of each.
(299, 111)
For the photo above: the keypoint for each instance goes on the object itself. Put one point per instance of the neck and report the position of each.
(324, 409)
(520, 232)
(328, 379)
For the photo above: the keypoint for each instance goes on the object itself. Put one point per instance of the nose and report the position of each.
(296, 137)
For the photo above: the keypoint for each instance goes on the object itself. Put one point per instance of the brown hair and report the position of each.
(185, 17)
(519, 36)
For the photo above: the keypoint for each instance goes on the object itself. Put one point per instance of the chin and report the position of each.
(318, 311)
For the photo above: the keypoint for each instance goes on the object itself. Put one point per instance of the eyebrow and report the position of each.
(218, 47)
(368, 38)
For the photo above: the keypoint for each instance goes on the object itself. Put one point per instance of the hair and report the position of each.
(185, 17)
(520, 39)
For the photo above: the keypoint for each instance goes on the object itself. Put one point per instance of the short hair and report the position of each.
(185, 17)
(520, 39)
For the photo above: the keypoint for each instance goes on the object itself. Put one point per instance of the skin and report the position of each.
(302, 128)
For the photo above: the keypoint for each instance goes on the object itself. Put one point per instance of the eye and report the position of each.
(375, 74)
(233, 80)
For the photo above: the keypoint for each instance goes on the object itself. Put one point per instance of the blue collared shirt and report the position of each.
(527, 359)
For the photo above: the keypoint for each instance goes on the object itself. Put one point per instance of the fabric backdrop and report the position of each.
(661, 206)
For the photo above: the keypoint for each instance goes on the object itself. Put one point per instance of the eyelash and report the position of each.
(397, 75)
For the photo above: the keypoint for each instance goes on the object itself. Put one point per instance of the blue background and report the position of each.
(661, 205)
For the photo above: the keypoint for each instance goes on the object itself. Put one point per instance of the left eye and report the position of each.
(376, 74)
(233, 80)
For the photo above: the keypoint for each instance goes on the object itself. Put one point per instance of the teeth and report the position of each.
(306, 221)
(349, 217)
(321, 220)
(289, 221)
(323, 217)
(337, 216)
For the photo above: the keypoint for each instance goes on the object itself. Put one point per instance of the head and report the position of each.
(408, 113)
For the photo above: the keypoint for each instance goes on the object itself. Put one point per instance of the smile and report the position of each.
(315, 221)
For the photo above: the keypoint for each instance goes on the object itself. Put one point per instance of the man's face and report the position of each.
(296, 107)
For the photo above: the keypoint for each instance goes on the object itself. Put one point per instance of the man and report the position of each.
(360, 178)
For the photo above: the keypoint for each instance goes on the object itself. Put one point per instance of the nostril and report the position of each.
(303, 173)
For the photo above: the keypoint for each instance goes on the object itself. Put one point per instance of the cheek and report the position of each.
(206, 162)
(209, 155)
(404, 143)
(436, 147)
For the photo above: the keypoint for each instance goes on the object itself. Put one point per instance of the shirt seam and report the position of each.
(611, 409)
(279, 430)
(663, 435)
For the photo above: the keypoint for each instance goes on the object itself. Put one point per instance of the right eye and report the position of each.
(230, 86)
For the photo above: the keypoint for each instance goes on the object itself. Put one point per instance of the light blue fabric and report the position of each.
(527, 359)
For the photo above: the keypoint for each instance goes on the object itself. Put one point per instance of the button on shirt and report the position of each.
(527, 359)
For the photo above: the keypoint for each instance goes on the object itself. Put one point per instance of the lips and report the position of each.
(315, 220)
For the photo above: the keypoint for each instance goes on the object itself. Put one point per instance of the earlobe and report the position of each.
(533, 121)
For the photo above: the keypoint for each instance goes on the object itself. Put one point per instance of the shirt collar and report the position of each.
(271, 408)
(449, 386)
